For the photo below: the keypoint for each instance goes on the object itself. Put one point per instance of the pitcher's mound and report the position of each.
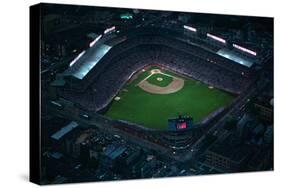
(159, 79)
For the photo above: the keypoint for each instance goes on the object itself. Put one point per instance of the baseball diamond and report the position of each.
(161, 83)
(147, 103)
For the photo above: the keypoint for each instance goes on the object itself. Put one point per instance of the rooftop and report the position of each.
(63, 131)
(113, 151)
(231, 149)
(235, 57)
(87, 61)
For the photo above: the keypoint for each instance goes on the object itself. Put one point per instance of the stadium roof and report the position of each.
(81, 65)
(234, 57)
(92, 35)
(63, 131)
(87, 60)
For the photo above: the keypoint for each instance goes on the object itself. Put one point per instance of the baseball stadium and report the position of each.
(140, 88)
(149, 75)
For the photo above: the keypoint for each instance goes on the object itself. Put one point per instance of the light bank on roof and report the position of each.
(80, 66)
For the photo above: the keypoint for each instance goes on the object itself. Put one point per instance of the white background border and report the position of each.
(14, 87)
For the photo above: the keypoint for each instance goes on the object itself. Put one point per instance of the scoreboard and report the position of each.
(180, 123)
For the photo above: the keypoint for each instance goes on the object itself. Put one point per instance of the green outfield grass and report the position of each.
(153, 110)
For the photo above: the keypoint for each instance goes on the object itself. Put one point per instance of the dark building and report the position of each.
(228, 155)
(64, 140)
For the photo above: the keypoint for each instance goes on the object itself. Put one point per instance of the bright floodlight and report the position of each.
(76, 58)
(95, 41)
(109, 30)
(190, 28)
(244, 49)
(216, 38)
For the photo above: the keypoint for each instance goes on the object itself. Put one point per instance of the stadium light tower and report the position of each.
(190, 28)
(216, 38)
(244, 49)
(95, 41)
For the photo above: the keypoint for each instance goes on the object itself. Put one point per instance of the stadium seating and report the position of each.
(102, 83)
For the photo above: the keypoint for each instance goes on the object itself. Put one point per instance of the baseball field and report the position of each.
(153, 95)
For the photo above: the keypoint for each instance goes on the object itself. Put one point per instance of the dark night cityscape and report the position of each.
(133, 93)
